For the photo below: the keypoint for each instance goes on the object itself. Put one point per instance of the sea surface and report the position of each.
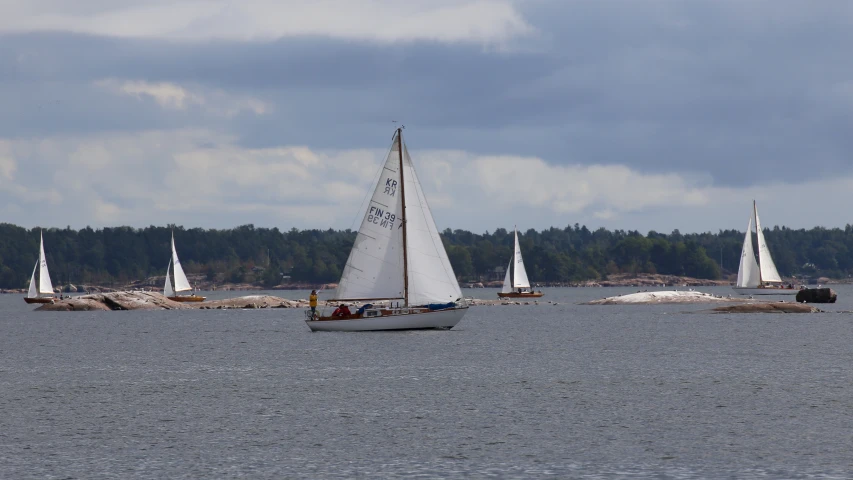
(554, 390)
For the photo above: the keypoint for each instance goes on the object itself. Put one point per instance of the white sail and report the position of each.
(167, 289)
(33, 291)
(45, 287)
(431, 278)
(765, 261)
(508, 278)
(374, 269)
(519, 279)
(747, 273)
(181, 282)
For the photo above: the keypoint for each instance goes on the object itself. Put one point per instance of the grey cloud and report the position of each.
(746, 91)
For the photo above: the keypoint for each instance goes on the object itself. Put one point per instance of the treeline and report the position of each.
(263, 256)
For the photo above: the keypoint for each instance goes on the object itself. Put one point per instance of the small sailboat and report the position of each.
(397, 268)
(758, 277)
(516, 284)
(44, 292)
(181, 282)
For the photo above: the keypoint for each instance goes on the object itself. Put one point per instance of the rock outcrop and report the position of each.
(816, 295)
(662, 297)
(769, 307)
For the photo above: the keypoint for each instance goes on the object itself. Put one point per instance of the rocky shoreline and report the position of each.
(142, 300)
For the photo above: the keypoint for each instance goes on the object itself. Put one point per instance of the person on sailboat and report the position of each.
(312, 302)
(341, 311)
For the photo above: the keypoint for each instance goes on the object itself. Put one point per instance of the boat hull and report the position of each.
(39, 299)
(765, 291)
(520, 295)
(396, 320)
(187, 298)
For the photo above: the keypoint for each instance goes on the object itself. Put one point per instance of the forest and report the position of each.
(267, 256)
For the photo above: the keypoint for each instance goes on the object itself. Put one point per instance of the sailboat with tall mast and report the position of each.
(758, 277)
(41, 292)
(516, 284)
(181, 282)
(398, 268)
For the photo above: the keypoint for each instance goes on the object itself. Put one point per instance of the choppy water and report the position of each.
(512, 392)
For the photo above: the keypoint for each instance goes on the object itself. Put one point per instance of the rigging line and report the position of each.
(369, 191)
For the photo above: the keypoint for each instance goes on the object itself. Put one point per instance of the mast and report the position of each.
(755, 215)
(514, 249)
(403, 200)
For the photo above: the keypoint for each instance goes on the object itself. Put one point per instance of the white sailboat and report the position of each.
(44, 292)
(516, 284)
(181, 282)
(761, 277)
(397, 259)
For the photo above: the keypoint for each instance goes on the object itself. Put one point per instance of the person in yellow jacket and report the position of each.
(312, 302)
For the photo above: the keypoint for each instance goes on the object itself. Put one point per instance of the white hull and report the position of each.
(765, 291)
(444, 319)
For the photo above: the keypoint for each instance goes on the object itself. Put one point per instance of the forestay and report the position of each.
(747, 273)
(520, 277)
(765, 261)
(181, 282)
(374, 269)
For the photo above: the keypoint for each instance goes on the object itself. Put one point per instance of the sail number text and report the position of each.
(380, 217)
(390, 186)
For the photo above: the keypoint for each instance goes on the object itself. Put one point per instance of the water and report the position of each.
(512, 392)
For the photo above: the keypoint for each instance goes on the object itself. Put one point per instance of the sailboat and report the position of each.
(397, 268)
(516, 284)
(758, 277)
(44, 292)
(181, 282)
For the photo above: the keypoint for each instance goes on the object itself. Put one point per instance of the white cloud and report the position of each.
(204, 178)
(479, 21)
(172, 96)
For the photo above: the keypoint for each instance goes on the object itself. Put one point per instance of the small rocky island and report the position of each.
(139, 300)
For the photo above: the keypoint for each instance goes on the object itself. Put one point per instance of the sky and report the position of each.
(624, 114)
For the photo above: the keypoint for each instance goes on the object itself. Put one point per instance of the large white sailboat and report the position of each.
(43, 293)
(516, 284)
(758, 277)
(181, 282)
(397, 268)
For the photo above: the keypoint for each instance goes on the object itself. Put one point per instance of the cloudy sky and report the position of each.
(632, 114)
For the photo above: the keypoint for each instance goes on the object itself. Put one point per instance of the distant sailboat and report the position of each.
(181, 282)
(516, 284)
(44, 292)
(397, 259)
(761, 277)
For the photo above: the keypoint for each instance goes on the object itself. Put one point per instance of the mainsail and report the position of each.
(374, 269)
(45, 287)
(748, 275)
(167, 289)
(390, 261)
(33, 291)
(520, 277)
(765, 261)
(181, 282)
